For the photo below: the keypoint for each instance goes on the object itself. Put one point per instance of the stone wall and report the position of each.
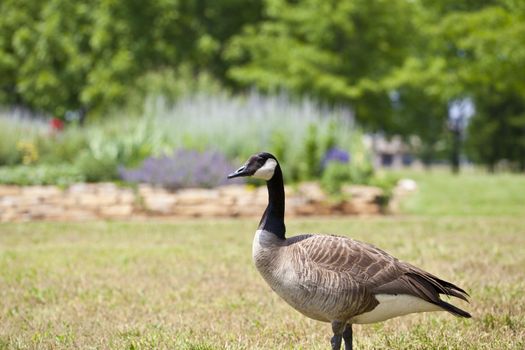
(109, 201)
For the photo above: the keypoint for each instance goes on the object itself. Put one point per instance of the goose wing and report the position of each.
(363, 263)
(363, 268)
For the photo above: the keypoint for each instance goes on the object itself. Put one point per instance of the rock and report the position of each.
(160, 203)
(126, 196)
(363, 193)
(19, 201)
(9, 201)
(44, 212)
(116, 211)
(145, 190)
(10, 190)
(406, 185)
(246, 211)
(234, 191)
(93, 200)
(251, 201)
(106, 187)
(404, 188)
(69, 200)
(196, 196)
(312, 191)
(80, 188)
(348, 208)
(9, 214)
(79, 215)
(41, 191)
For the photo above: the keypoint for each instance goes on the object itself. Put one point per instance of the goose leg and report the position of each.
(347, 336)
(337, 328)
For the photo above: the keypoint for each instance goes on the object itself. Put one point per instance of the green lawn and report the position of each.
(191, 284)
(471, 194)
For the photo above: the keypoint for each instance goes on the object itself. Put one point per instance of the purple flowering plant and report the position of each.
(183, 169)
(335, 155)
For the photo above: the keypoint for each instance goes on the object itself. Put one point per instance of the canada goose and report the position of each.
(336, 279)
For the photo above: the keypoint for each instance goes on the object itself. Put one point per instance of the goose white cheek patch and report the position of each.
(266, 171)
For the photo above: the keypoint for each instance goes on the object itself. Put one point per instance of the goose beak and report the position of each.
(242, 171)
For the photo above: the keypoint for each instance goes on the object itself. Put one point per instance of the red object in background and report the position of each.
(56, 124)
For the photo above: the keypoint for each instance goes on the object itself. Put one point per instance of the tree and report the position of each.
(476, 54)
(338, 51)
(59, 55)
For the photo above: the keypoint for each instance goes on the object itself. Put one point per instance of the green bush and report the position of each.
(15, 130)
(334, 176)
(25, 175)
(114, 143)
(63, 147)
(387, 182)
(97, 169)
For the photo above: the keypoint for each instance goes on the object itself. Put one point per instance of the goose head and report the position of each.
(261, 166)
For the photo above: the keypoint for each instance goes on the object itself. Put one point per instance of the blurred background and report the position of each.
(89, 91)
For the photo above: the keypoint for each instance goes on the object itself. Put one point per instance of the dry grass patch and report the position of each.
(192, 285)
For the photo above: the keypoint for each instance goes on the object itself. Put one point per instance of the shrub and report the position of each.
(64, 146)
(298, 131)
(115, 143)
(339, 168)
(18, 138)
(26, 175)
(311, 155)
(335, 155)
(387, 182)
(184, 168)
(93, 169)
(336, 170)
(334, 176)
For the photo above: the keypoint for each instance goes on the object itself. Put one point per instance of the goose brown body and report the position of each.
(331, 278)
(337, 279)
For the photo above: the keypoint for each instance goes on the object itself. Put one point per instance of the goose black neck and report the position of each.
(273, 217)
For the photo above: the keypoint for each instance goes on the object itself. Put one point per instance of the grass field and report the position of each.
(192, 285)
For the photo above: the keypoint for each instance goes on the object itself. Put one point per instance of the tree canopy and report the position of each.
(399, 64)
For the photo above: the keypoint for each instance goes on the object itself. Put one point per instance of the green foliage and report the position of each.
(297, 131)
(116, 143)
(43, 174)
(13, 131)
(471, 49)
(399, 79)
(70, 55)
(398, 63)
(335, 175)
(312, 154)
(387, 182)
(95, 151)
(63, 147)
(95, 169)
(171, 84)
(336, 50)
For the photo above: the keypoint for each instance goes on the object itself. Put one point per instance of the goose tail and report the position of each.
(431, 287)
(456, 311)
(428, 287)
